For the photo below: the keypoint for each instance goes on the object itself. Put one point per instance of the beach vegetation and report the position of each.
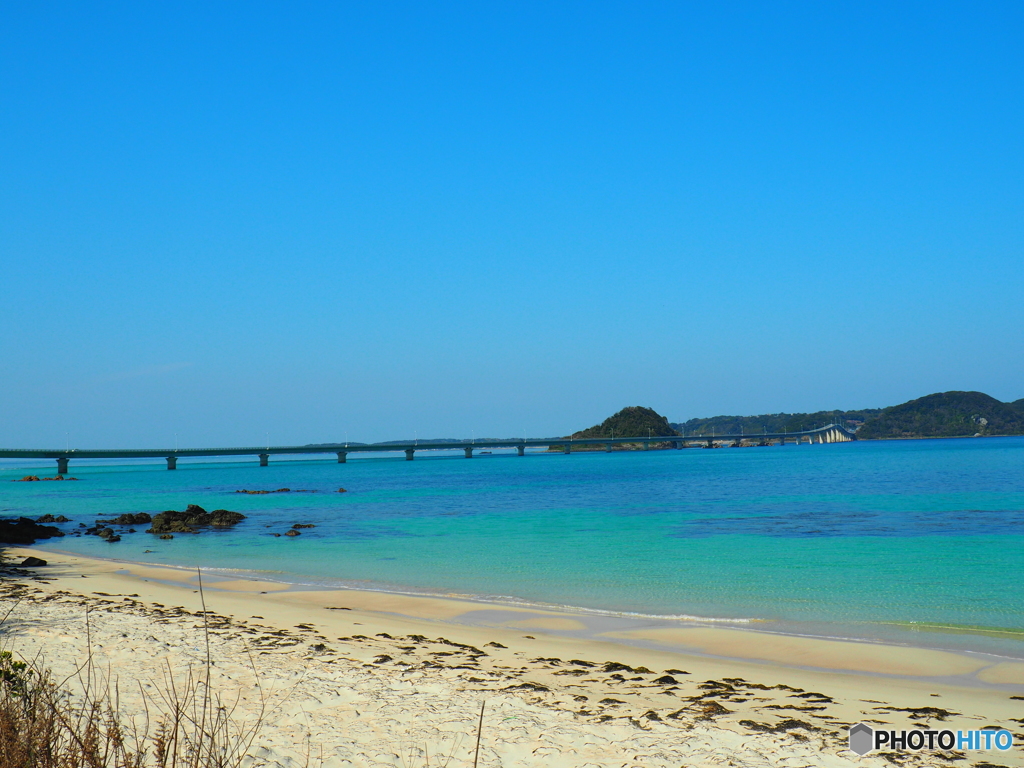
(82, 722)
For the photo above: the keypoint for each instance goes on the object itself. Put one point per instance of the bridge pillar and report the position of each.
(172, 462)
(567, 448)
(647, 445)
(342, 457)
(469, 453)
(711, 443)
(608, 447)
(408, 453)
(264, 459)
(62, 466)
(521, 450)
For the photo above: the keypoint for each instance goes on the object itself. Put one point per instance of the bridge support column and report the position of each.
(469, 453)
(408, 453)
(342, 457)
(264, 459)
(566, 448)
(711, 443)
(647, 445)
(521, 450)
(172, 462)
(62, 466)
(608, 447)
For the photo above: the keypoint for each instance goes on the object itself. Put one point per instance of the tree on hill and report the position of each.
(634, 421)
(946, 414)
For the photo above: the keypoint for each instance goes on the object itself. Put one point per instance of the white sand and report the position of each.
(348, 705)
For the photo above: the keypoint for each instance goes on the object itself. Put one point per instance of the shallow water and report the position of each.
(913, 541)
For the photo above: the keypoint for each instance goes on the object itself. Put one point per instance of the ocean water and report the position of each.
(908, 541)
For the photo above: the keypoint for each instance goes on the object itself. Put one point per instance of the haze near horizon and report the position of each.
(310, 223)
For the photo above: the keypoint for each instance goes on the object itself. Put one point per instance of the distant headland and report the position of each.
(943, 414)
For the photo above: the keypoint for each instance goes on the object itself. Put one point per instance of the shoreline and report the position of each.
(831, 631)
(359, 670)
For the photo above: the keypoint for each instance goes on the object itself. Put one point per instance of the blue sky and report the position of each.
(310, 220)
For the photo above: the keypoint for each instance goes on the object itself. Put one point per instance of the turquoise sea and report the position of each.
(910, 541)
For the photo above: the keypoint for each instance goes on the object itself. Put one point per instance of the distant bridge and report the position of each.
(831, 433)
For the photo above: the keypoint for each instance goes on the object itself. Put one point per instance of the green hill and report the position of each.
(630, 422)
(946, 414)
(774, 422)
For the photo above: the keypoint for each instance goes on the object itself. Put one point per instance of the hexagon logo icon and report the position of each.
(862, 738)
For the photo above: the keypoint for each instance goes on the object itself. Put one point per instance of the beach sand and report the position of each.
(371, 679)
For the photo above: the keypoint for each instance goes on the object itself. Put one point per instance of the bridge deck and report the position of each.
(415, 445)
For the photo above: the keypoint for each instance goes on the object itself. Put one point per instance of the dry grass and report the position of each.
(80, 722)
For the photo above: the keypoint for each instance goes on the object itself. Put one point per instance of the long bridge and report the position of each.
(830, 433)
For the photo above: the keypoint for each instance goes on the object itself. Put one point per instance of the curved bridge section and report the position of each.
(832, 433)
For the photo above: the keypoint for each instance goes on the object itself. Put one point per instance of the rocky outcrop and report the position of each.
(52, 519)
(33, 562)
(25, 531)
(192, 518)
(36, 478)
(139, 518)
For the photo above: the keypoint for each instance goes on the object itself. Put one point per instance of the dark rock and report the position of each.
(303, 525)
(166, 536)
(342, 490)
(193, 517)
(52, 519)
(28, 479)
(106, 533)
(222, 518)
(278, 535)
(26, 531)
(33, 562)
(666, 680)
(128, 519)
(292, 533)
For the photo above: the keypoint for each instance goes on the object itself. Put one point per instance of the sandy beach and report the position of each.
(370, 679)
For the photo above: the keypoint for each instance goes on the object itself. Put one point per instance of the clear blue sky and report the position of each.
(378, 219)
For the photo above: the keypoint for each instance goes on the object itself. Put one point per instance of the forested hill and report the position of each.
(634, 421)
(947, 414)
(774, 422)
